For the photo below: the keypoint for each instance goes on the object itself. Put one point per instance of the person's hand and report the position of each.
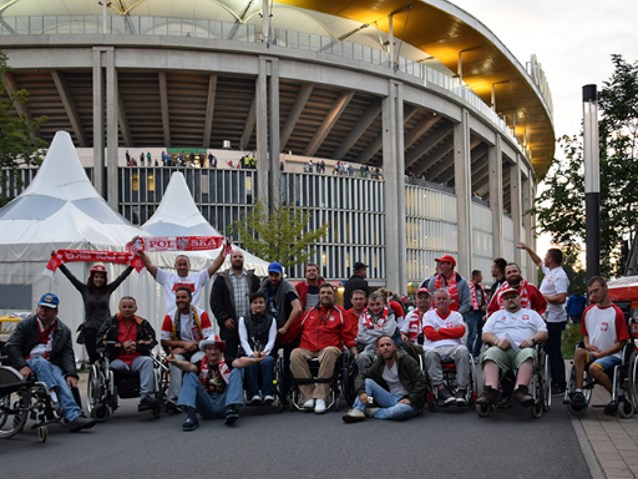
(404, 337)
(192, 346)
(170, 359)
(130, 346)
(405, 401)
(521, 245)
(592, 349)
(363, 397)
(230, 324)
(596, 354)
(526, 344)
(72, 381)
(181, 351)
(503, 343)
(26, 372)
(283, 330)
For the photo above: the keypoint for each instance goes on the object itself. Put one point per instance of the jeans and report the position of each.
(267, 370)
(474, 322)
(176, 373)
(554, 353)
(143, 365)
(52, 376)
(212, 405)
(389, 405)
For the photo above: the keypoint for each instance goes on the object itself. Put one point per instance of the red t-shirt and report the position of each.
(127, 333)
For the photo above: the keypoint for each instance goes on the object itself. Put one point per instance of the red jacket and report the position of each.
(302, 291)
(322, 328)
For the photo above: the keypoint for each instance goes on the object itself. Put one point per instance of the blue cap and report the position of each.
(275, 268)
(49, 300)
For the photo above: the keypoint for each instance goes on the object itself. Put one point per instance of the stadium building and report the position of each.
(420, 90)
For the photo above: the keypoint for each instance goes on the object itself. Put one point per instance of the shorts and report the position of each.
(606, 363)
(508, 359)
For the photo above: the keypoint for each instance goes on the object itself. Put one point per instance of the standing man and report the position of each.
(531, 297)
(182, 330)
(308, 289)
(182, 276)
(554, 287)
(498, 273)
(475, 317)
(449, 279)
(356, 281)
(229, 299)
(413, 324)
(42, 345)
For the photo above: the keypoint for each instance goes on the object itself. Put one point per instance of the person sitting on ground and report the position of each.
(324, 333)
(376, 321)
(393, 387)
(212, 388)
(128, 341)
(413, 324)
(182, 330)
(443, 330)
(511, 334)
(604, 333)
(257, 335)
(41, 345)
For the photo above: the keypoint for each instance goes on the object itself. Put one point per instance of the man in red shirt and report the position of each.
(531, 297)
(324, 332)
(308, 289)
(359, 300)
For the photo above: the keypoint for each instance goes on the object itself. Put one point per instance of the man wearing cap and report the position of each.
(511, 334)
(42, 345)
(229, 299)
(284, 305)
(530, 296)
(308, 289)
(356, 281)
(212, 388)
(413, 325)
(182, 330)
(446, 277)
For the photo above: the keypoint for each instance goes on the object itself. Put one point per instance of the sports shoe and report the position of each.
(522, 396)
(354, 415)
(444, 396)
(269, 399)
(256, 399)
(461, 397)
(190, 424)
(231, 416)
(171, 408)
(309, 405)
(611, 408)
(147, 402)
(489, 396)
(320, 406)
(81, 422)
(578, 399)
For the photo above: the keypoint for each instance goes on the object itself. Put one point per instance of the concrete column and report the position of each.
(530, 239)
(265, 21)
(394, 187)
(515, 199)
(495, 159)
(111, 130)
(261, 118)
(98, 122)
(463, 188)
(526, 205)
(273, 133)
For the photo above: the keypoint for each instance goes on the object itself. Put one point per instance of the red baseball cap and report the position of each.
(447, 258)
(423, 290)
(509, 291)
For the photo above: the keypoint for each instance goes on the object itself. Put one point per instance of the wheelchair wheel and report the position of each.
(42, 433)
(14, 411)
(546, 386)
(101, 413)
(94, 390)
(626, 407)
(483, 410)
(633, 378)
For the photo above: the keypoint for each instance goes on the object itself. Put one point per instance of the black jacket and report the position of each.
(26, 336)
(108, 334)
(222, 299)
(410, 375)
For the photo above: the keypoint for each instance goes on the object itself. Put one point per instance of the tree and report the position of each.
(282, 236)
(560, 209)
(19, 144)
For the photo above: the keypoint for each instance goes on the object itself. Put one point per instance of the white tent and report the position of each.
(178, 215)
(61, 209)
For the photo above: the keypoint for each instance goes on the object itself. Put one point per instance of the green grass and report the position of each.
(571, 337)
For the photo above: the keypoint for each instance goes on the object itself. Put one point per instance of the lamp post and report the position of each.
(592, 179)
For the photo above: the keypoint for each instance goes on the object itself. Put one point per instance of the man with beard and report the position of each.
(447, 278)
(530, 295)
(308, 289)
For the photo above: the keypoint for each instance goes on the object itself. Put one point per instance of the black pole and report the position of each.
(592, 180)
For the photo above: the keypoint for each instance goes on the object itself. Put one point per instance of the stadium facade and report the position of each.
(421, 90)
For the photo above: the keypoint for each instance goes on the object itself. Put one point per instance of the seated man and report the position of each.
(182, 330)
(604, 333)
(211, 387)
(42, 345)
(392, 388)
(129, 340)
(443, 330)
(511, 334)
(376, 321)
(413, 325)
(324, 331)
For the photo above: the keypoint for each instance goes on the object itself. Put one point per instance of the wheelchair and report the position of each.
(621, 377)
(280, 401)
(539, 388)
(341, 383)
(449, 380)
(21, 400)
(632, 366)
(105, 387)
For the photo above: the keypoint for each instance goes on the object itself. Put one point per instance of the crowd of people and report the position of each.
(387, 337)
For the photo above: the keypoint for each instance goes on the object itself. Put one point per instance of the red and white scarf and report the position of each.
(475, 304)
(451, 287)
(224, 372)
(44, 346)
(414, 325)
(369, 322)
(522, 292)
(179, 243)
(63, 256)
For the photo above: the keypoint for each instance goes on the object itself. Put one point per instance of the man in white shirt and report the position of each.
(554, 288)
(511, 333)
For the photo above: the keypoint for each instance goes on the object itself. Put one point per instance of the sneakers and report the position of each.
(522, 396)
(171, 408)
(354, 415)
(190, 424)
(611, 408)
(81, 422)
(309, 405)
(231, 416)
(269, 399)
(461, 397)
(489, 396)
(444, 396)
(256, 399)
(320, 406)
(578, 399)
(147, 402)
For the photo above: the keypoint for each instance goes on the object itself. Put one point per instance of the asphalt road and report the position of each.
(265, 444)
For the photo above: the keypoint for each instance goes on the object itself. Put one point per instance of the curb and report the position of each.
(590, 458)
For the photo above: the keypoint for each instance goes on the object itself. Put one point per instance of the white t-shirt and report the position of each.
(519, 326)
(170, 281)
(604, 327)
(555, 282)
(453, 320)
